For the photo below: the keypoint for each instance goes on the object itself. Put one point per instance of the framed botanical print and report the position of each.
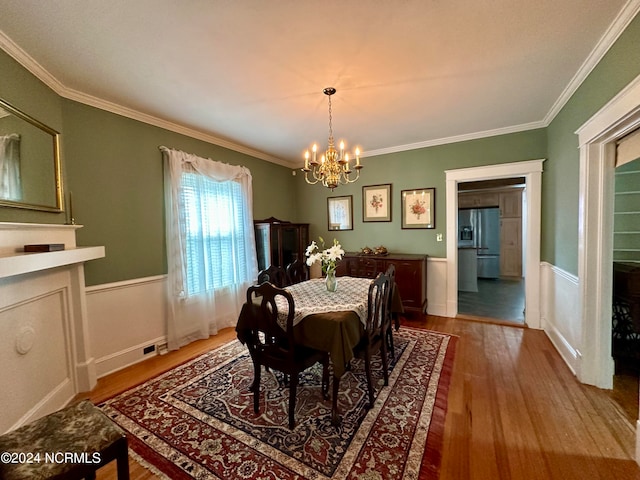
(418, 208)
(340, 213)
(376, 203)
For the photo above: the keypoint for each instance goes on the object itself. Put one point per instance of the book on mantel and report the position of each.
(44, 247)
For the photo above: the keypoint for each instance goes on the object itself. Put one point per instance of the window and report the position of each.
(214, 219)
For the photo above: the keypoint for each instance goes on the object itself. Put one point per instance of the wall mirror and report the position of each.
(30, 173)
(340, 213)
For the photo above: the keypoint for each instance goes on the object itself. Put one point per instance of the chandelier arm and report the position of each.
(307, 179)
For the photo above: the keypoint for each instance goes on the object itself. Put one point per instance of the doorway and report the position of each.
(532, 172)
(597, 139)
(491, 250)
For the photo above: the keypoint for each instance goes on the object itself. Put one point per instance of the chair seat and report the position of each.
(81, 429)
(304, 357)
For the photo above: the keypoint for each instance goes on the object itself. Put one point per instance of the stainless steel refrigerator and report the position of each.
(480, 228)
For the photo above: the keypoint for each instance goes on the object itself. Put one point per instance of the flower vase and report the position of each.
(331, 281)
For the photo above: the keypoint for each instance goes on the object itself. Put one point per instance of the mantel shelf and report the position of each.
(19, 263)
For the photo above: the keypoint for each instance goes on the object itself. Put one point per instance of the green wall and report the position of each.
(115, 172)
(113, 167)
(422, 168)
(560, 186)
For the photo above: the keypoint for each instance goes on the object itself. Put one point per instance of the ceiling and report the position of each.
(249, 74)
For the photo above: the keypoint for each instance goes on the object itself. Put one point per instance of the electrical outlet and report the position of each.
(438, 237)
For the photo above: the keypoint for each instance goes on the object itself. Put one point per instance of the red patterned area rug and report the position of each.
(197, 420)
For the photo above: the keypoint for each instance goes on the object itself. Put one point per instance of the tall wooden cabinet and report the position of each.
(279, 242)
(511, 233)
(411, 275)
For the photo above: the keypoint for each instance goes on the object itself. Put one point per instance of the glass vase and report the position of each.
(331, 281)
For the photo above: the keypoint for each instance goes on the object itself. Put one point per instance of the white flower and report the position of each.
(334, 253)
(311, 248)
(327, 257)
(313, 258)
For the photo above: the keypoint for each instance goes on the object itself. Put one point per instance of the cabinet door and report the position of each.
(409, 282)
(511, 247)
(511, 204)
(478, 200)
(466, 200)
(350, 266)
(263, 245)
(289, 245)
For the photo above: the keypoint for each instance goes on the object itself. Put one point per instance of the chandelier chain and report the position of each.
(330, 124)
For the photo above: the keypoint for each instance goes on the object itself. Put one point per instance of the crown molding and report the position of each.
(455, 139)
(24, 59)
(622, 20)
(167, 125)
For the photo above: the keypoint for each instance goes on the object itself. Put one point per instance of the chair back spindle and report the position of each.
(275, 275)
(297, 271)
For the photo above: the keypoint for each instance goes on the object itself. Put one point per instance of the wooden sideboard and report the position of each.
(411, 274)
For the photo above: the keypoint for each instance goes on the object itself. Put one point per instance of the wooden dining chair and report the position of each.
(297, 271)
(374, 339)
(275, 275)
(391, 273)
(280, 352)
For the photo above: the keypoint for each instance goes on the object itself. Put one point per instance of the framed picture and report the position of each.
(376, 203)
(419, 208)
(340, 213)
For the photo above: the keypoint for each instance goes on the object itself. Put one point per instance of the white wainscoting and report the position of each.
(124, 318)
(36, 354)
(561, 322)
(437, 286)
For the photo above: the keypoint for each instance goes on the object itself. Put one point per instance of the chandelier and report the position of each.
(333, 168)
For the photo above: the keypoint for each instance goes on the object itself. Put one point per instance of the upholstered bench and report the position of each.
(69, 444)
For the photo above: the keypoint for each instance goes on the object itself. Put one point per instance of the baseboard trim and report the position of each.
(569, 354)
(129, 356)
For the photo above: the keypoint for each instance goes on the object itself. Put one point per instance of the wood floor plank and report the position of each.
(515, 410)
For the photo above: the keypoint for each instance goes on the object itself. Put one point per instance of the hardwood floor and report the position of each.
(515, 411)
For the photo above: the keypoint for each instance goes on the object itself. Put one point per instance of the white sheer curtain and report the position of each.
(10, 184)
(211, 252)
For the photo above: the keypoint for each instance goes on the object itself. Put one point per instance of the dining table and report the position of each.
(332, 322)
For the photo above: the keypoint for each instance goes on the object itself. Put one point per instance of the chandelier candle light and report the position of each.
(333, 168)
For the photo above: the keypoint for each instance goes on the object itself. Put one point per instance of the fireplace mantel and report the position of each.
(44, 321)
(20, 263)
(13, 237)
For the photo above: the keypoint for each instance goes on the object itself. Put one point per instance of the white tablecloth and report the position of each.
(312, 297)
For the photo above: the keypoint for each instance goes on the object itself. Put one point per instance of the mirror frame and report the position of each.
(57, 170)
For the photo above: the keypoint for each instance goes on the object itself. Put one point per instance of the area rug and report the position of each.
(197, 420)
